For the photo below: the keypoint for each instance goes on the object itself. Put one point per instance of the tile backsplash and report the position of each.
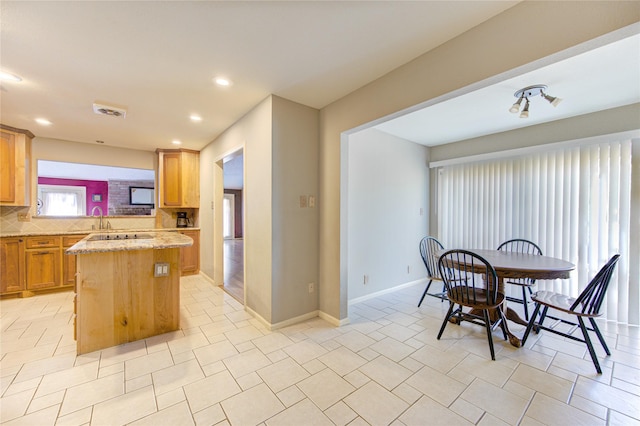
(9, 223)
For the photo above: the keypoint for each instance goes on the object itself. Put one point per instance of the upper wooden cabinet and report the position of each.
(178, 178)
(15, 166)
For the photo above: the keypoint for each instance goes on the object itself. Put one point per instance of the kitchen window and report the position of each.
(60, 200)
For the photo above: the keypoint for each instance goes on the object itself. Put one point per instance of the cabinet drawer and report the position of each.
(68, 241)
(42, 242)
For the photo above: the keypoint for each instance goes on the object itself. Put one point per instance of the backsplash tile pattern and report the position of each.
(9, 223)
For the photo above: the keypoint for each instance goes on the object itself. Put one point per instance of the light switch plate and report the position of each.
(161, 270)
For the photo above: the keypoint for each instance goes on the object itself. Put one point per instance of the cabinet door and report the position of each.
(171, 179)
(190, 180)
(7, 167)
(69, 261)
(190, 256)
(43, 268)
(11, 265)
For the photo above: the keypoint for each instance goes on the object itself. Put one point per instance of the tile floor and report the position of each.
(384, 368)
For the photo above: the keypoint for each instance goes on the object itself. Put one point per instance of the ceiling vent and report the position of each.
(109, 110)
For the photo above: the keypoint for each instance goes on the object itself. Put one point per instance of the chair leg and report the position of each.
(425, 293)
(597, 330)
(587, 340)
(531, 323)
(525, 304)
(503, 324)
(446, 319)
(487, 322)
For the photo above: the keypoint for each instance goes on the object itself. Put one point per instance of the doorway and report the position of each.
(233, 226)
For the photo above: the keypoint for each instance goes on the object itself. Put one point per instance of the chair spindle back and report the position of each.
(428, 246)
(591, 298)
(468, 277)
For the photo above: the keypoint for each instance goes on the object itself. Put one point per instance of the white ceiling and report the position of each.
(602, 78)
(157, 59)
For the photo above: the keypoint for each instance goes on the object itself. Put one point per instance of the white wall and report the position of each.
(483, 52)
(295, 229)
(253, 134)
(76, 152)
(388, 185)
(280, 143)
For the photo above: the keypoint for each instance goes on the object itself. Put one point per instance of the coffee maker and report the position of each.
(183, 220)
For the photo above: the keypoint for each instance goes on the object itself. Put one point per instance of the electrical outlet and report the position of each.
(408, 269)
(365, 280)
(312, 201)
(303, 201)
(312, 287)
(161, 270)
(24, 217)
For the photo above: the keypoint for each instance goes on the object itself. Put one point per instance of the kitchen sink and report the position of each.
(120, 237)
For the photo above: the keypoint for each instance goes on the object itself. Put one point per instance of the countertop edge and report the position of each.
(160, 240)
(90, 231)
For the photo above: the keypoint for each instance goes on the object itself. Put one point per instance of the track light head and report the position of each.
(525, 110)
(516, 106)
(528, 92)
(553, 101)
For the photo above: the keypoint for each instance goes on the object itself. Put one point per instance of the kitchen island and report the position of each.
(127, 287)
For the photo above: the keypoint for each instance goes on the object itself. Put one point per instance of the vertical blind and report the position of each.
(575, 203)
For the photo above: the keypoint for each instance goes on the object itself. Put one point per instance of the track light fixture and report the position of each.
(526, 93)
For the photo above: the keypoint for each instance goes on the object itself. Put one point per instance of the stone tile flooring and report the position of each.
(385, 367)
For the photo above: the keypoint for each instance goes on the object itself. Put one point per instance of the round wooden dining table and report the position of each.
(520, 265)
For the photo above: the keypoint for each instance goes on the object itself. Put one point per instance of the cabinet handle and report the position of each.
(40, 253)
(43, 242)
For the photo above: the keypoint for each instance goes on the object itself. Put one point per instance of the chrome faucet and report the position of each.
(93, 210)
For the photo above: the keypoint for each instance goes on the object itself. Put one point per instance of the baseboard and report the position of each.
(257, 316)
(357, 300)
(333, 320)
(206, 277)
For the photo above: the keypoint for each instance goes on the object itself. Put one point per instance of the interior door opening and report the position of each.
(233, 225)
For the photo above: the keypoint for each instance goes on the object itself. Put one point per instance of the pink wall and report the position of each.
(94, 187)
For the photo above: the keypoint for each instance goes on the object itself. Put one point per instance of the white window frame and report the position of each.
(79, 191)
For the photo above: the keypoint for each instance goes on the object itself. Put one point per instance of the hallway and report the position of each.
(234, 268)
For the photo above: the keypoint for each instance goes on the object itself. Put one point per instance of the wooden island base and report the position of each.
(118, 299)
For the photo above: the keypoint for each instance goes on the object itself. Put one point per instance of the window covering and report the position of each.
(574, 202)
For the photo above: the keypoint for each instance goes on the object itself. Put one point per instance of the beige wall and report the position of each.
(76, 152)
(295, 228)
(253, 134)
(280, 144)
(520, 35)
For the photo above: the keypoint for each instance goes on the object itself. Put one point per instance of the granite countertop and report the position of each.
(92, 231)
(129, 240)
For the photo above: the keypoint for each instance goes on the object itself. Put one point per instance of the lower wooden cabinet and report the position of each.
(190, 256)
(69, 261)
(40, 262)
(43, 262)
(11, 265)
(36, 263)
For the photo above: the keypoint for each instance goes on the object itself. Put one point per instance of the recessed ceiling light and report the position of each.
(5, 76)
(195, 118)
(43, 121)
(221, 81)
(176, 142)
